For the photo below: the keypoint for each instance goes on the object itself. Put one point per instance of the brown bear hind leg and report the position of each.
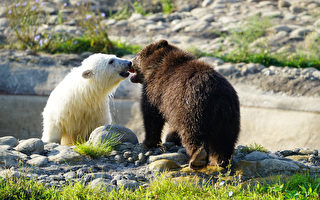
(221, 160)
(174, 137)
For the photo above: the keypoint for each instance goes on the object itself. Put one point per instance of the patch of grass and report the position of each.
(123, 13)
(138, 8)
(253, 147)
(247, 47)
(97, 150)
(299, 186)
(167, 6)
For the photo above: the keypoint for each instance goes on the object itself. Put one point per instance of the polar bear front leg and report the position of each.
(51, 133)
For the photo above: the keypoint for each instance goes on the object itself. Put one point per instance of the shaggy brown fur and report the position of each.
(200, 105)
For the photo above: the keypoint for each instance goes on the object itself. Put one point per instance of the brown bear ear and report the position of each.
(87, 74)
(162, 43)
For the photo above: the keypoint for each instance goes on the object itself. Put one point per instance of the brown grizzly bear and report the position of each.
(200, 105)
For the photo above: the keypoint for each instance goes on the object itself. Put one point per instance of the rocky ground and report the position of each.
(132, 164)
(195, 24)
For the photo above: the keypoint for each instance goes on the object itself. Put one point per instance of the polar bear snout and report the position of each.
(125, 71)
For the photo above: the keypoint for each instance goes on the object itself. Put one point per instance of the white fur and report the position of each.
(79, 103)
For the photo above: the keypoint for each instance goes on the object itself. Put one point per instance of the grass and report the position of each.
(299, 186)
(97, 150)
(253, 147)
(26, 19)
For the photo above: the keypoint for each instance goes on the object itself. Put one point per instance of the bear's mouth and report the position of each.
(131, 70)
(124, 74)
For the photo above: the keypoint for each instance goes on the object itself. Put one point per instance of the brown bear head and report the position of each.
(148, 59)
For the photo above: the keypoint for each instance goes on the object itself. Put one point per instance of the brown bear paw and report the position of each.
(199, 159)
(151, 144)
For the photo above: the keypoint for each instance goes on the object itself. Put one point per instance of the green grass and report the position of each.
(253, 147)
(167, 6)
(97, 150)
(299, 186)
(26, 22)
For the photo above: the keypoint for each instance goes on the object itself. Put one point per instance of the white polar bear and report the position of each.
(79, 103)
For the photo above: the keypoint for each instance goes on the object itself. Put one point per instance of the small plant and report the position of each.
(124, 13)
(25, 19)
(138, 8)
(253, 147)
(167, 6)
(97, 150)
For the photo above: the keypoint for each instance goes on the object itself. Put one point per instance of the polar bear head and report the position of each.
(105, 69)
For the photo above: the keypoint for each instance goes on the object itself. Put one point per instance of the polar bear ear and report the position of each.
(87, 74)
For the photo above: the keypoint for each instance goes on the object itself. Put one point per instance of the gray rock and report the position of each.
(7, 173)
(4, 147)
(4, 22)
(67, 155)
(9, 140)
(226, 69)
(256, 155)
(279, 28)
(38, 161)
(269, 166)
(212, 60)
(70, 175)
(92, 176)
(300, 32)
(30, 146)
(128, 184)
(177, 157)
(8, 158)
(101, 183)
(121, 134)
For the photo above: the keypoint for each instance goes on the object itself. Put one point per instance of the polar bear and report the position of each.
(79, 103)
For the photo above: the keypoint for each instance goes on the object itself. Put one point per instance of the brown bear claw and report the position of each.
(199, 159)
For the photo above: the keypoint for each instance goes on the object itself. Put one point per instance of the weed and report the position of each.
(167, 6)
(97, 150)
(253, 147)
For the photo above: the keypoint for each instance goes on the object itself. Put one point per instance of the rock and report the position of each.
(128, 184)
(295, 9)
(7, 173)
(206, 3)
(212, 60)
(70, 175)
(283, 4)
(9, 140)
(4, 22)
(308, 152)
(286, 153)
(226, 69)
(176, 157)
(163, 165)
(247, 169)
(279, 28)
(270, 166)
(255, 156)
(300, 32)
(67, 155)
(101, 183)
(5, 147)
(30, 146)
(299, 157)
(38, 161)
(121, 134)
(8, 158)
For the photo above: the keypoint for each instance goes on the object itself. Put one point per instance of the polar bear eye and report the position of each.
(110, 62)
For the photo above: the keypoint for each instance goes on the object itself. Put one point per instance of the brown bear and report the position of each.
(200, 105)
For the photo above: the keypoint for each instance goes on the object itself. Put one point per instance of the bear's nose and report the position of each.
(130, 64)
